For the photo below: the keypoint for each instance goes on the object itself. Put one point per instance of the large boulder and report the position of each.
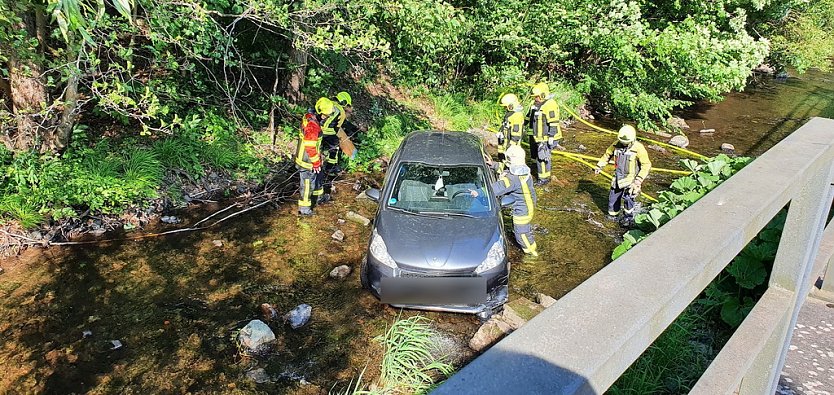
(678, 122)
(489, 333)
(256, 337)
(519, 311)
(680, 141)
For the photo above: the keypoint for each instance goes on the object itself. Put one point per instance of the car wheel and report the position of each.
(363, 273)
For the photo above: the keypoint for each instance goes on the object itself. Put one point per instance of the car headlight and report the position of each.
(380, 251)
(494, 257)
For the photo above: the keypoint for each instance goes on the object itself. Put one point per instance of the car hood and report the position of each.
(437, 244)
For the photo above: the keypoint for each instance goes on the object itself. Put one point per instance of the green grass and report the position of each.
(408, 366)
(674, 362)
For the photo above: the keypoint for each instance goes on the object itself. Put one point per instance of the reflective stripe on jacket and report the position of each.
(518, 184)
(329, 125)
(513, 125)
(309, 140)
(630, 162)
(544, 120)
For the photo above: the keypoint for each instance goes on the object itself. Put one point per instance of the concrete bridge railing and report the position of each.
(585, 341)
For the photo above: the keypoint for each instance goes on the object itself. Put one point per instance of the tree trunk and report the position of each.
(27, 96)
(273, 106)
(27, 92)
(55, 140)
(295, 79)
(5, 94)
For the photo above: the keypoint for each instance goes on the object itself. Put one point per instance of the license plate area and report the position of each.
(433, 290)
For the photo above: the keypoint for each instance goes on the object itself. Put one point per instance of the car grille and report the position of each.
(412, 273)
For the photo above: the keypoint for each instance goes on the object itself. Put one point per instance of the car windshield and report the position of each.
(440, 190)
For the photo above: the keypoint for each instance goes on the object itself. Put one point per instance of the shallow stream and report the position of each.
(175, 302)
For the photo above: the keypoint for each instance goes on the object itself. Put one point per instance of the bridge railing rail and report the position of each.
(585, 341)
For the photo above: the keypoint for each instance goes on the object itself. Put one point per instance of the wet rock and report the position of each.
(518, 312)
(680, 141)
(98, 231)
(170, 219)
(489, 333)
(728, 148)
(338, 235)
(340, 272)
(657, 148)
(299, 316)
(115, 345)
(362, 195)
(545, 300)
(448, 348)
(678, 122)
(340, 221)
(217, 243)
(357, 218)
(662, 134)
(581, 148)
(764, 68)
(486, 136)
(268, 312)
(259, 376)
(706, 131)
(256, 337)
(86, 333)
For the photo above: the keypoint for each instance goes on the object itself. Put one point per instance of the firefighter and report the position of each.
(545, 130)
(518, 184)
(631, 167)
(345, 105)
(329, 147)
(511, 130)
(308, 158)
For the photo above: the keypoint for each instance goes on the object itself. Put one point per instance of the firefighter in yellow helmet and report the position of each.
(631, 167)
(329, 148)
(308, 157)
(545, 130)
(511, 130)
(517, 183)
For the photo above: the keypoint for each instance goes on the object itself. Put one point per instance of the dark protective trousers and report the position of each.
(330, 154)
(541, 152)
(310, 185)
(524, 237)
(620, 199)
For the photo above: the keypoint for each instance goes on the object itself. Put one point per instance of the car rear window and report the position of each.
(423, 188)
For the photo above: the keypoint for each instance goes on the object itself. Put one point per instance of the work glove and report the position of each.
(316, 167)
(500, 138)
(635, 187)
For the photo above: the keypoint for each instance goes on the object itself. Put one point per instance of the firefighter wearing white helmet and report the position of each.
(511, 130)
(545, 130)
(517, 183)
(631, 167)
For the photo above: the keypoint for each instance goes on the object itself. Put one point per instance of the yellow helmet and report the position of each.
(509, 100)
(627, 134)
(515, 155)
(541, 90)
(324, 106)
(344, 98)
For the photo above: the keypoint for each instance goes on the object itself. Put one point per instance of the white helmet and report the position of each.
(515, 154)
(627, 134)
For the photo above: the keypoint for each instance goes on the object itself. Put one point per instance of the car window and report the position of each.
(425, 188)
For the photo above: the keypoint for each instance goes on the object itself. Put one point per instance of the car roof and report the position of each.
(442, 148)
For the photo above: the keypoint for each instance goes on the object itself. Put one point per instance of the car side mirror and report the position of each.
(373, 193)
(507, 201)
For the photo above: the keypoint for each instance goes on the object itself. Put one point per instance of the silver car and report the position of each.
(434, 246)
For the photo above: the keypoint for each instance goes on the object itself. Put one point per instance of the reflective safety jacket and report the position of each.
(342, 115)
(512, 126)
(330, 125)
(309, 140)
(630, 162)
(518, 184)
(544, 120)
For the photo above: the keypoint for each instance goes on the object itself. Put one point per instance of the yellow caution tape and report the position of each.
(657, 169)
(660, 143)
(594, 166)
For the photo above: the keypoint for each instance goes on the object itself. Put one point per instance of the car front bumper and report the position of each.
(496, 288)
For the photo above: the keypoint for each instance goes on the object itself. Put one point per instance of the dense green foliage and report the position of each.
(141, 69)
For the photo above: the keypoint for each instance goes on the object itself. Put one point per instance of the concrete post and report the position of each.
(791, 271)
